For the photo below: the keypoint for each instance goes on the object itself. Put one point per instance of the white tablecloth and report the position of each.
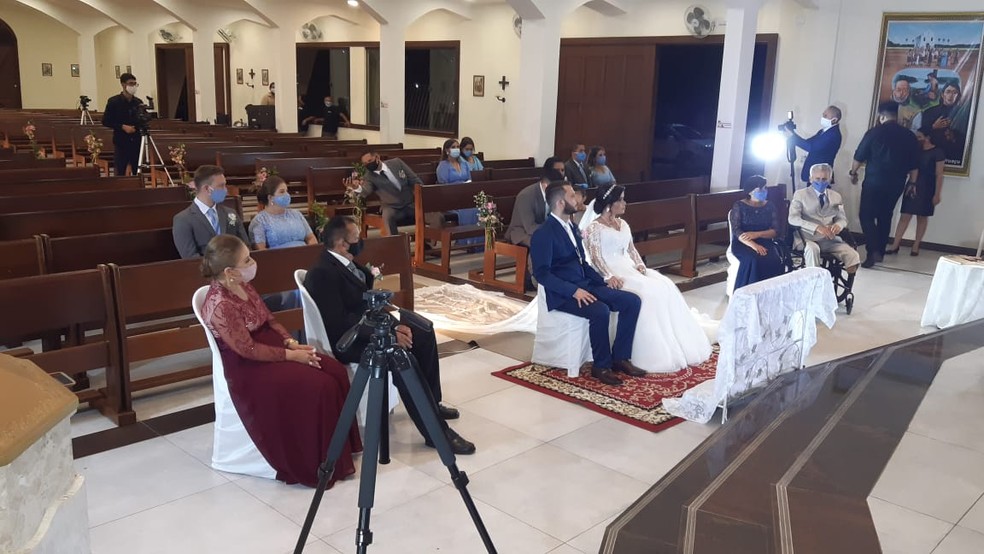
(956, 295)
(769, 329)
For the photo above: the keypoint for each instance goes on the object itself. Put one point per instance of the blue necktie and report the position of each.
(823, 199)
(213, 218)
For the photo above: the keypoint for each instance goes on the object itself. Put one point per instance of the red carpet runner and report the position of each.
(639, 401)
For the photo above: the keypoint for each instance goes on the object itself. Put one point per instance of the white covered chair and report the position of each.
(562, 340)
(732, 262)
(233, 450)
(317, 336)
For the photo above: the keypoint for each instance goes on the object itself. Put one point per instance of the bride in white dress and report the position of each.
(668, 337)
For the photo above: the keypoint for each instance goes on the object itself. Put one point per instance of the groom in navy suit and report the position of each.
(574, 287)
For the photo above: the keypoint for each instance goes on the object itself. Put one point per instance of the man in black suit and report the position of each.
(393, 181)
(824, 145)
(120, 115)
(337, 283)
(206, 217)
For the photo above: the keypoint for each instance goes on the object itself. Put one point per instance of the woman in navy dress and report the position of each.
(754, 233)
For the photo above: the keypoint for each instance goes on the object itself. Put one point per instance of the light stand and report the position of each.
(145, 160)
(380, 358)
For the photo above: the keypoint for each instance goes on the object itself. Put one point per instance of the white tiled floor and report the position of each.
(548, 475)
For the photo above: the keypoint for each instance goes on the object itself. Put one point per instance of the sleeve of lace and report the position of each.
(229, 324)
(592, 243)
(633, 253)
(735, 219)
(267, 315)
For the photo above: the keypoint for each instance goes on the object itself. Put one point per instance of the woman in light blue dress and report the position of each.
(598, 172)
(278, 226)
(453, 169)
(469, 156)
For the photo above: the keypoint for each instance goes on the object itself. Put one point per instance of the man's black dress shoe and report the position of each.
(868, 262)
(606, 376)
(626, 367)
(459, 445)
(444, 412)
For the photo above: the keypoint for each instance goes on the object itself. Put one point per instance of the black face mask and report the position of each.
(373, 165)
(356, 247)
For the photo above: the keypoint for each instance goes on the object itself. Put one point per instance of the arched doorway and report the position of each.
(10, 89)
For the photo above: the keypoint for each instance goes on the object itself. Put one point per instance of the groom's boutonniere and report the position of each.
(232, 218)
(403, 174)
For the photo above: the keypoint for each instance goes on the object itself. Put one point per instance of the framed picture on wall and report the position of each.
(46, 70)
(265, 77)
(118, 72)
(128, 70)
(239, 76)
(75, 70)
(930, 64)
(478, 85)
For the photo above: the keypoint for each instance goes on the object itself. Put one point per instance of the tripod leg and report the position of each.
(367, 479)
(143, 153)
(428, 413)
(335, 448)
(384, 433)
(170, 181)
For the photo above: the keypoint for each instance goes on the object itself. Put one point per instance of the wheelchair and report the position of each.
(843, 281)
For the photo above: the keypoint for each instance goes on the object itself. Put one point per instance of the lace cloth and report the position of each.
(769, 329)
(232, 321)
(466, 309)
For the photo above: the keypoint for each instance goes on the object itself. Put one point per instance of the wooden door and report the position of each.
(605, 97)
(10, 90)
(223, 89)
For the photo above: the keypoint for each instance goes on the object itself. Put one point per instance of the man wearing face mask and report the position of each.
(530, 209)
(890, 153)
(575, 169)
(330, 119)
(393, 181)
(819, 212)
(337, 284)
(206, 217)
(121, 116)
(824, 145)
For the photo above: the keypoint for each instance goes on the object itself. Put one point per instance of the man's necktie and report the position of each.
(358, 274)
(823, 199)
(213, 218)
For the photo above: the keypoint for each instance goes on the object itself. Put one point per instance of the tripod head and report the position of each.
(376, 317)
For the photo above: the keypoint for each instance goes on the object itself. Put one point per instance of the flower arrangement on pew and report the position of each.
(177, 154)
(488, 217)
(320, 214)
(376, 271)
(30, 131)
(354, 198)
(95, 145)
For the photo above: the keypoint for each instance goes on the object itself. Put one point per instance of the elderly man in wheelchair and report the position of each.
(817, 218)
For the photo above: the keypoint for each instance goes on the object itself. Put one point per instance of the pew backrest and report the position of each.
(8, 176)
(21, 258)
(87, 251)
(90, 199)
(57, 186)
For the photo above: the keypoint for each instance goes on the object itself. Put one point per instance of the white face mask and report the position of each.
(826, 123)
(132, 89)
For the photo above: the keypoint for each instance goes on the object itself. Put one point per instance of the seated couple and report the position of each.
(656, 332)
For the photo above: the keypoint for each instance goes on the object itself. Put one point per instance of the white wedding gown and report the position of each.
(668, 337)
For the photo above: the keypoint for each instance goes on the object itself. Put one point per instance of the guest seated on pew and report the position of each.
(754, 232)
(819, 213)
(337, 283)
(278, 226)
(393, 181)
(530, 209)
(453, 169)
(469, 156)
(574, 287)
(288, 396)
(575, 168)
(206, 217)
(667, 338)
(598, 172)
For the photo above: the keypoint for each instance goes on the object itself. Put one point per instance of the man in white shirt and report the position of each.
(818, 211)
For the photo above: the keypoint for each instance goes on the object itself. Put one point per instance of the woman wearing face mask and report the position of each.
(598, 172)
(278, 226)
(754, 230)
(288, 396)
(668, 338)
(920, 198)
(453, 169)
(469, 156)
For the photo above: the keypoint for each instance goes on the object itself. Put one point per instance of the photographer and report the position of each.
(823, 146)
(122, 115)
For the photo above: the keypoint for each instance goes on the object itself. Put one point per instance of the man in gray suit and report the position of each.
(206, 217)
(530, 208)
(393, 181)
(574, 169)
(819, 212)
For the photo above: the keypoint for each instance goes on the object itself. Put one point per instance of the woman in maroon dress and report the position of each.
(288, 397)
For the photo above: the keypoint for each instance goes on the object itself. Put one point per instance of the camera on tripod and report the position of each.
(84, 102)
(789, 124)
(377, 300)
(142, 117)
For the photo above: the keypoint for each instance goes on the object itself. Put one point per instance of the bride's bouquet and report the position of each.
(488, 217)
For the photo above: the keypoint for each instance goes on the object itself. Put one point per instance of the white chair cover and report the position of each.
(233, 450)
(732, 262)
(563, 340)
(314, 329)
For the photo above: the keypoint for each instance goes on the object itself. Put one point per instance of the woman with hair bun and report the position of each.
(288, 396)
(668, 336)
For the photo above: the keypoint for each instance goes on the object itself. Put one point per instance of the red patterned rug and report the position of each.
(639, 401)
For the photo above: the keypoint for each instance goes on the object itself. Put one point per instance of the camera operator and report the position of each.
(823, 146)
(122, 115)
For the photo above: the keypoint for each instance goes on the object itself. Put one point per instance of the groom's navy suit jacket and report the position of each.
(558, 266)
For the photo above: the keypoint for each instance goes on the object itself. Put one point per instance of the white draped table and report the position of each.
(769, 329)
(957, 293)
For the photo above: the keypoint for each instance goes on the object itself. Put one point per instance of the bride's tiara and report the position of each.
(607, 192)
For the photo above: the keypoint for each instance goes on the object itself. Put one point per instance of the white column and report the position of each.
(143, 63)
(87, 68)
(357, 85)
(534, 93)
(736, 79)
(392, 76)
(284, 74)
(203, 45)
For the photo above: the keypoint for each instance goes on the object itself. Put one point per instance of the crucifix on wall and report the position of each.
(503, 83)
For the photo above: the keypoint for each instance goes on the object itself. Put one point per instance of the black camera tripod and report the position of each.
(381, 358)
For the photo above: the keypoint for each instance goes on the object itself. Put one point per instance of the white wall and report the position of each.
(112, 49)
(41, 39)
(251, 49)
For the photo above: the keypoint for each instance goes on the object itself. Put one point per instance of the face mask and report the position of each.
(580, 156)
(467, 154)
(454, 152)
(248, 273)
(601, 160)
(355, 248)
(760, 195)
(826, 123)
(327, 104)
(219, 195)
(132, 89)
(820, 186)
(282, 200)
(373, 165)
